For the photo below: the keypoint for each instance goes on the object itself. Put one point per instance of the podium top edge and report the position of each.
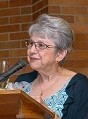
(4, 91)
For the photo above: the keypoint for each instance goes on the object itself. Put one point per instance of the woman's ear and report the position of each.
(61, 55)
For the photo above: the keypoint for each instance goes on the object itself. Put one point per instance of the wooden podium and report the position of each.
(15, 104)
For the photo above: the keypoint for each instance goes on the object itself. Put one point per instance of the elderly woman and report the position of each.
(63, 91)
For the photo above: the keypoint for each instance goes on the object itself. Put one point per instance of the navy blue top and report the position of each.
(76, 105)
(28, 77)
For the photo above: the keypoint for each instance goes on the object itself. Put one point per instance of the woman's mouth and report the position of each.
(34, 59)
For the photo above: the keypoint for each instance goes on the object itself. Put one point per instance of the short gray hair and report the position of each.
(54, 28)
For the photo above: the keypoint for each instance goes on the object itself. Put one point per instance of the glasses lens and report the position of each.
(40, 46)
(29, 44)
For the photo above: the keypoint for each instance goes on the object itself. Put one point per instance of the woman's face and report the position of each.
(41, 59)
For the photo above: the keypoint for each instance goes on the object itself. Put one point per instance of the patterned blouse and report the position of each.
(54, 102)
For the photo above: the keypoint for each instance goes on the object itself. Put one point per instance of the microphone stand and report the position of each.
(3, 83)
(4, 79)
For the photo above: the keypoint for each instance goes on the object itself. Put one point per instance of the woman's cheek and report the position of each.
(28, 58)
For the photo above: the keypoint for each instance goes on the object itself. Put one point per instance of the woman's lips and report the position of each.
(34, 59)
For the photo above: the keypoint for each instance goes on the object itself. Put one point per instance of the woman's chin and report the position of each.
(35, 67)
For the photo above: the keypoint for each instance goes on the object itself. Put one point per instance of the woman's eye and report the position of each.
(41, 45)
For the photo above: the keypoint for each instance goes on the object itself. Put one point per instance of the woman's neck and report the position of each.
(49, 75)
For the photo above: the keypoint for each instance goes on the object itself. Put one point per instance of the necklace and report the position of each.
(42, 91)
(56, 76)
(41, 94)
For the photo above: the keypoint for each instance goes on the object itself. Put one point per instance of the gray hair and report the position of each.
(54, 28)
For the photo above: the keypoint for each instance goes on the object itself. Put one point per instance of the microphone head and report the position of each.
(19, 65)
(22, 63)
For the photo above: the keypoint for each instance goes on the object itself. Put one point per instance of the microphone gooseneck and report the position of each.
(4, 76)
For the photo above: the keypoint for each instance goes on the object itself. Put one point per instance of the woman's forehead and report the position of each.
(37, 38)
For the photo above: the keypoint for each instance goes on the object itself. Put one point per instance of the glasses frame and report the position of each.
(36, 44)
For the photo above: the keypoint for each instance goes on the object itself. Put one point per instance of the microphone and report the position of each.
(4, 76)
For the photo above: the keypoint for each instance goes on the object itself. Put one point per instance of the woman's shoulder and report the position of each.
(75, 78)
(73, 74)
(68, 72)
(79, 81)
(79, 77)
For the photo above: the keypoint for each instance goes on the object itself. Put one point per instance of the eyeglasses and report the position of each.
(38, 45)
